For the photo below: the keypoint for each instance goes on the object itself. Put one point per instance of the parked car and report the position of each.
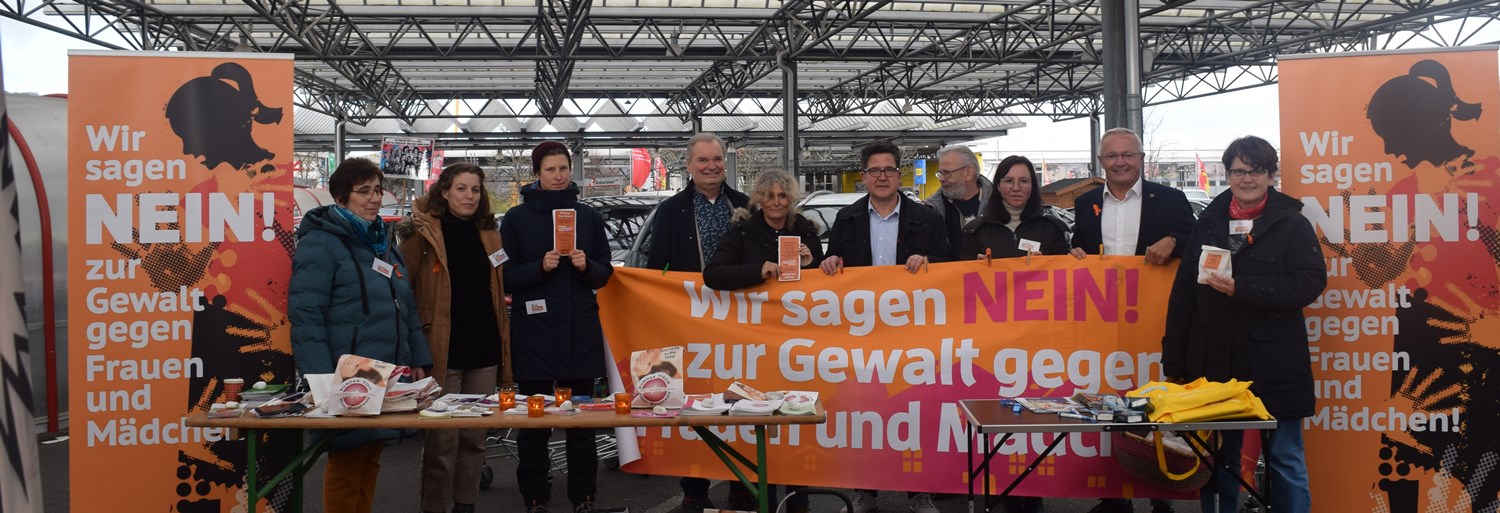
(1193, 194)
(821, 207)
(626, 218)
(1198, 205)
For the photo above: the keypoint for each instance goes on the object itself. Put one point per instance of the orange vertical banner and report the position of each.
(1395, 158)
(180, 179)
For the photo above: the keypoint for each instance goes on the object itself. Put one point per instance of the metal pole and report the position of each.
(1094, 133)
(1112, 14)
(338, 140)
(1132, 51)
(789, 112)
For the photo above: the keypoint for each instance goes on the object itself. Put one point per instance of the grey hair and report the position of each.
(963, 152)
(704, 137)
(1122, 130)
(761, 189)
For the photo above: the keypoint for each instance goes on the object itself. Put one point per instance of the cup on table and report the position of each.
(562, 394)
(507, 397)
(535, 405)
(232, 388)
(622, 403)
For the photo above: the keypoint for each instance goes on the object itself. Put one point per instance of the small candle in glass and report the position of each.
(507, 397)
(563, 394)
(535, 405)
(622, 403)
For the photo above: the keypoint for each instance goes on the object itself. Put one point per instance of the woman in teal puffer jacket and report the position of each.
(349, 296)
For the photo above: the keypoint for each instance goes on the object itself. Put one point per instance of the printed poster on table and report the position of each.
(1396, 159)
(891, 353)
(181, 166)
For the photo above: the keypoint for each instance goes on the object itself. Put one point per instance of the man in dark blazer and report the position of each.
(905, 232)
(1129, 215)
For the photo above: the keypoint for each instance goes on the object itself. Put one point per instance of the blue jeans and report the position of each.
(1286, 465)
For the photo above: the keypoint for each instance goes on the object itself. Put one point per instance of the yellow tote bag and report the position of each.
(1201, 400)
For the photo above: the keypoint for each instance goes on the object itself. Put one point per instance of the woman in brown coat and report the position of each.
(452, 248)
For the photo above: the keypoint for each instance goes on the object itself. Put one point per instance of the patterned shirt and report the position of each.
(713, 221)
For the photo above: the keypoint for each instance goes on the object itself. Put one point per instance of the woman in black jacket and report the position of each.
(556, 339)
(1247, 324)
(748, 252)
(1013, 214)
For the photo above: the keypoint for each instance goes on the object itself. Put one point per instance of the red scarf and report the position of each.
(1240, 213)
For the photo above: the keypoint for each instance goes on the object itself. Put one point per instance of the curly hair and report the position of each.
(435, 204)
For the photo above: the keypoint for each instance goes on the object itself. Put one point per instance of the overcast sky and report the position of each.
(35, 61)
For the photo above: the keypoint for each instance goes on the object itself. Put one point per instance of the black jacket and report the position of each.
(989, 230)
(749, 244)
(1259, 334)
(674, 231)
(919, 231)
(565, 342)
(1164, 212)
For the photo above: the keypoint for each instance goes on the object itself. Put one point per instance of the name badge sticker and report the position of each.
(385, 269)
(1029, 246)
(536, 306)
(1240, 227)
(498, 257)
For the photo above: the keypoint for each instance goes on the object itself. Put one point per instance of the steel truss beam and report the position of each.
(527, 140)
(1038, 57)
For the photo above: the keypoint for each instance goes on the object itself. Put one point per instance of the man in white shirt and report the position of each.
(1129, 215)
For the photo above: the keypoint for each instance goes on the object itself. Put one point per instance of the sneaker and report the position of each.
(538, 507)
(922, 503)
(584, 507)
(862, 502)
(696, 503)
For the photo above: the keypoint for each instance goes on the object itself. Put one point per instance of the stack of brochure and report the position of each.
(705, 404)
(410, 396)
(798, 402)
(752, 407)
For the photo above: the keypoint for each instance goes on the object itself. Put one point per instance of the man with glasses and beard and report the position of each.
(964, 191)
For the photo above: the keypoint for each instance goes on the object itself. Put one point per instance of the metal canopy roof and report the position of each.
(638, 72)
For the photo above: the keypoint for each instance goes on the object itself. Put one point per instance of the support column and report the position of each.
(1094, 133)
(789, 112)
(576, 146)
(338, 140)
(1121, 57)
(731, 167)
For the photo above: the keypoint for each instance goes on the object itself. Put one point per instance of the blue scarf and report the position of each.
(370, 233)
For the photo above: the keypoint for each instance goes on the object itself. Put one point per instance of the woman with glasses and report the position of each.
(556, 338)
(348, 295)
(1014, 226)
(1247, 323)
(449, 241)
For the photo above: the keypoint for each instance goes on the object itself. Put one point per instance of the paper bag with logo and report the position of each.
(657, 374)
(359, 386)
(1214, 260)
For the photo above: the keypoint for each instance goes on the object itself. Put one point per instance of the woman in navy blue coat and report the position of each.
(556, 339)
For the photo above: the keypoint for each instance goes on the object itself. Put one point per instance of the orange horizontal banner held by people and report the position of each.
(891, 353)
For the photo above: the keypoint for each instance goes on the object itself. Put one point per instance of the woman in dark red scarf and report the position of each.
(1247, 323)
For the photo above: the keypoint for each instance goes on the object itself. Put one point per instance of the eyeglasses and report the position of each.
(1256, 173)
(941, 174)
(882, 171)
(366, 191)
(1128, 155)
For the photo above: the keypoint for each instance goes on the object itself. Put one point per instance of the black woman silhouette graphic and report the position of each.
(213, 116)
(1414, 114)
